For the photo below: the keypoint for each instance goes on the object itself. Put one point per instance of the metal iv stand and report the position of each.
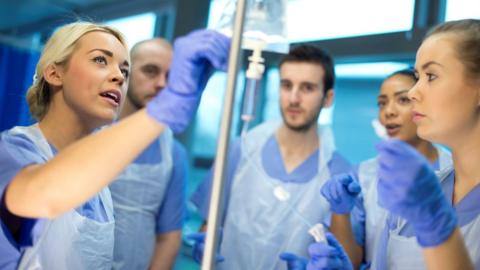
(216, 200)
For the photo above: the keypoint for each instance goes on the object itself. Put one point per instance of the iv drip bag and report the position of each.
(264, 25)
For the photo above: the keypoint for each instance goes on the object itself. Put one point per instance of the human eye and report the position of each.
(286, 86)
(308, 88)
(100, 60)
(416, 75)
(381, 103)
(403, 100)
(125, 72)
(151, 71)
(431, 76)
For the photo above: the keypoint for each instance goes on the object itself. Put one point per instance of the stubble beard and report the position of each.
(309, 122)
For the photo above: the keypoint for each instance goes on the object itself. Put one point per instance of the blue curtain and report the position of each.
(17, 67)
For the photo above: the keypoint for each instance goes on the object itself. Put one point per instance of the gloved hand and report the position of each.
(195, 58)
(341, 191)
(293, 261)
(409, 188)
(328, 256)
(199, 247)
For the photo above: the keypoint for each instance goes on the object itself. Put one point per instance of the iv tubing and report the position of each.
(253, 75)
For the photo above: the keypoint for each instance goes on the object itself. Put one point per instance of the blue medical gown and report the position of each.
(273, 165)
(251, 208)
(17, 152)
(149, 199)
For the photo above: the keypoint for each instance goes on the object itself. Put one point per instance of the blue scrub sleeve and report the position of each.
(201, 197)
(171, 214)
(355, 169)
(338, 164)
(16, 232)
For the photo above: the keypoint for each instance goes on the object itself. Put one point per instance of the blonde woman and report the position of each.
(56, 212)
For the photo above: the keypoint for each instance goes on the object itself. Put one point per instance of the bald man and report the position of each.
(149, 196)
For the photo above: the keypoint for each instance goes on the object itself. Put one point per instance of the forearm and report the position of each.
(80, 170)
(452, 254)
(341, 227)
(203, 228)
(166, 250)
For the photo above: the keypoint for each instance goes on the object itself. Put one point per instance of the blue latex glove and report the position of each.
(409, 188)
(328, 256)
(199, 247)
(293, 261)
(195, 58)
(341, 191)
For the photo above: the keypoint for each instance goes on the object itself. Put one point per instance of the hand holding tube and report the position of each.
(330, 255)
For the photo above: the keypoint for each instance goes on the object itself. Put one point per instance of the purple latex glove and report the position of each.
(341, 191)
(409, 188)
(199, 247)
(293, 261)
(195, 58)
(329, 255)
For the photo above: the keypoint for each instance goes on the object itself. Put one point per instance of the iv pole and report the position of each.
(216, 200)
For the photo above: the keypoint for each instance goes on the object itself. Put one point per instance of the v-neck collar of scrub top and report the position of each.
(468, 207)
(275, 167)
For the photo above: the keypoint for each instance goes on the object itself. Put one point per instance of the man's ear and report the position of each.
(53, 75)
(329, 96)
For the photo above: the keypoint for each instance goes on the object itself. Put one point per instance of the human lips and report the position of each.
(294, 111)
(392, 129)
(417, 116)
(113, 96)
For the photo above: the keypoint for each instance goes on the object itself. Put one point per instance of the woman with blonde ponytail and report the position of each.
(38, 98)
(55, 207)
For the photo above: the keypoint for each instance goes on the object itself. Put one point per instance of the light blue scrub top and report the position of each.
(17, 233)
(171, 214)
(273, 165)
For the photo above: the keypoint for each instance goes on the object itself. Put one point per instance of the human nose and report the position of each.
(414, 93)
(294, 95)
(390, 109)
(117, 76)
(161, 81)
